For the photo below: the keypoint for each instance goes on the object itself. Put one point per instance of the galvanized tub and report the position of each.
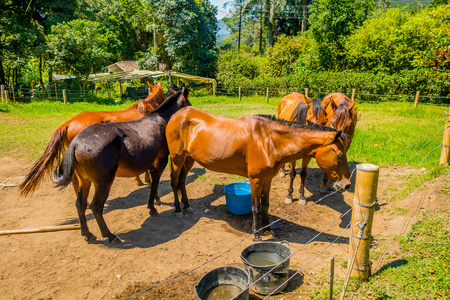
(274, 280)
(228, 275)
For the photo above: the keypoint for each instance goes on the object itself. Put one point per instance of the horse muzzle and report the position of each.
(342, 185)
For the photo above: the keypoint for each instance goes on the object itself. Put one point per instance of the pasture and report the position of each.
(405, 143)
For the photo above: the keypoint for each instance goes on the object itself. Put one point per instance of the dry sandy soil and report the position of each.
(61, 265)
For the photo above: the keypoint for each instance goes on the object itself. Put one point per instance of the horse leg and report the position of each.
(292, 173)
(81, 205)
(256, 189)
(138, 181)
(265, 209)
(148, 180)
(182, 184)
(177, 164)
(98, 202)
(323, 187)
(305, 162)
(156, 170)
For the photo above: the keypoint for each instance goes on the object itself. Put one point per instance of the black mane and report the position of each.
(312, 126)
(167, 103)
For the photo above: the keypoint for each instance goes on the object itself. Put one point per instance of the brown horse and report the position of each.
(342, 115)
(254, 147)
(104, 151)
(297, 107)
(66, 132)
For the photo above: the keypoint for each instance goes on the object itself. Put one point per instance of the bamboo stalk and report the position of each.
(416, 102)
(306, 93)
(41, 229)
(239, 93)
(445, 153)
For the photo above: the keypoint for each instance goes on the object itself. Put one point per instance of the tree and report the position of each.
(331, 21)
(81, 47)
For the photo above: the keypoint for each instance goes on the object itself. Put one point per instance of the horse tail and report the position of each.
(62, 175)
(300, 113)
(45, 164)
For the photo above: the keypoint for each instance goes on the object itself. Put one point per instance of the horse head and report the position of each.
(332, 159)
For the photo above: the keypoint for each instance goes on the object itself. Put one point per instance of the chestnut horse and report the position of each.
(342, 115)
(104, 151)
(66, 132)
(297, 107)
(252, 146)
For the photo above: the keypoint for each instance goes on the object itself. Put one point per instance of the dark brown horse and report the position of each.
(342, 115)
(66, 132)
(104, 151)
(254, 147)
(297, 107)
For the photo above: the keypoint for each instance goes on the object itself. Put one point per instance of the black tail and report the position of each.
(300, 113)
(63, 173)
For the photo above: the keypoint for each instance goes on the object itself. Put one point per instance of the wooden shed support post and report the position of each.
(364, 201)
(306, 92)
(416, 102)
(214, 90)
(64, 96)
(239, 93)
(353, 95)
(267, 95)
(2, 91)
(445, 153)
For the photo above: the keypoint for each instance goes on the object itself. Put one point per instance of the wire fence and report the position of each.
(381, 258)
(114, 93)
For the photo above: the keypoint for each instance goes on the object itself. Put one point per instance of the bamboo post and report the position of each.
(32, 91)
(306, 93)
(14, 95)
(121, 89)
(41, 229)
(445, 153)
(214, 90)
(239, 93)
(364, 201)
(56, 93)
(353, 95)
(416, 102)
(6, 95)
(2, 90)
(64, 96)
(331, 278)
(267, 95)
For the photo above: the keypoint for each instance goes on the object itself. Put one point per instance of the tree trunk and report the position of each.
(260, 29)
(2, 73)
(40, 70)
(240, 24)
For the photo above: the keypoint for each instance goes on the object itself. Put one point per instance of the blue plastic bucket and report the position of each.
(238, 196)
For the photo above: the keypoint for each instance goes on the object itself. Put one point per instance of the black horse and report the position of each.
(104, 151)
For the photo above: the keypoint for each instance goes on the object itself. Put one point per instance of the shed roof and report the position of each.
(126, 65)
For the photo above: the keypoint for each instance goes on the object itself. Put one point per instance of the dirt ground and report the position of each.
(61, 265)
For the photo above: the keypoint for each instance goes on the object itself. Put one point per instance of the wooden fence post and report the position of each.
(331, 278)
(417, 99)
(364, 201)
(445, 153)
(6, 95)
(239, 93)
(2, 89)
(306, 92)
(214, 90)
(267, 95)
(64, 96)
(14, 95)
(32, 90)
(353, 95)
(56, 93)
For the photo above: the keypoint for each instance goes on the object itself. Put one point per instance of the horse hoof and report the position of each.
(323, 190)
(288, 200)
(153, 213)
(139, 182)
(257, 238)
(188, 210)
(114, 239)
(179, 215)
(157, 201)
(301, 202)
(90, 238)
(271, 233)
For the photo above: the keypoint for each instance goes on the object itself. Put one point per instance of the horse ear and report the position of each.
(333, 104)
(350, 107)
(326, 102)
(337, 136)
(308, 101)
(172, 91)
(186, 93)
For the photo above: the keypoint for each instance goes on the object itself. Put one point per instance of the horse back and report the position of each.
(293, 107)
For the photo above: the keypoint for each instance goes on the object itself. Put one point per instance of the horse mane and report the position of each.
(317, 107)
(300, 113)
(167, 103)
(312, 126)
(342, 116)
(152, 101)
